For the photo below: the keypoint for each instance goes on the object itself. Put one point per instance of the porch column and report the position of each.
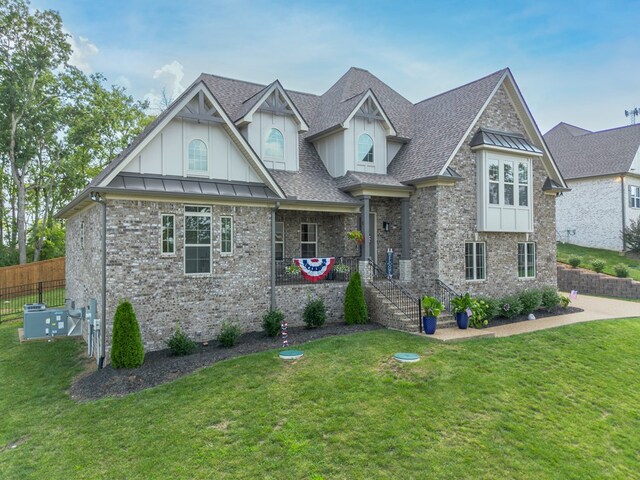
(365, 228)
(405, 261)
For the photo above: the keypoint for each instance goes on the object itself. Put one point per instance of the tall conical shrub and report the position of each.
(126, 344)
(355, 308)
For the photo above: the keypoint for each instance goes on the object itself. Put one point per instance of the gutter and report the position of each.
(95, 197)
(273, 256)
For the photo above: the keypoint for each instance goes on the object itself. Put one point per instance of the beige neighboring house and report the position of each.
(603, 171)
(200, 218)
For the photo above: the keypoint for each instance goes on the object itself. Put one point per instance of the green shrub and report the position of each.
(480, 312)
(631, 236)
(598, 265)
(575, 261)
(564, 301)
(355, 308)
(180, 344)
(126, 344)
(315, 313)
(272, 322)
(530, 300)
(621, 270)
(510, 306)
(229, 334)
(550, 298)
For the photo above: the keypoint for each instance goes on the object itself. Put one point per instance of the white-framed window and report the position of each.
(634, 196)
(308, 240)
(274, 145)
(168, 234)
(475, 261)
(526, 260)
(82, 234)
(198, 157)
(279, 241)
(504, 192)
(197, 240)
(226, 235)
(365, 148)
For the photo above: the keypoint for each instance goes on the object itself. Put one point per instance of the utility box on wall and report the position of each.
(45, 323)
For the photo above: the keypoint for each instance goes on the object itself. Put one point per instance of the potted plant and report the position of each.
(431, 307)
(356, 236)
(342, 270)
(461, 306)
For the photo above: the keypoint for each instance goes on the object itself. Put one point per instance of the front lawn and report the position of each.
(588, 255)
(561, 403)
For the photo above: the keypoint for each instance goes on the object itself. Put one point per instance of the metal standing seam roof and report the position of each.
(513, 141)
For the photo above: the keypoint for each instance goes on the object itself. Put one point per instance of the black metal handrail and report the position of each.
(399, 296)
(444, 293)
(13, 299)
(343, 268)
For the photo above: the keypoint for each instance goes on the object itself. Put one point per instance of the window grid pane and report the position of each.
(365, 148)
(198, 156)
(474, 261)
(168, 234)
(197, 239)
(226, 235)
(308, 240)
(274, 147)
(279, 240)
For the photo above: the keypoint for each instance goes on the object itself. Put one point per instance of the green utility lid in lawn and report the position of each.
(291, 354)
(407, 357)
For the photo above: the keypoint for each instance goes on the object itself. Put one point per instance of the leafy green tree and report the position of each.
(355, 307)
(126, 345)
(631, 236)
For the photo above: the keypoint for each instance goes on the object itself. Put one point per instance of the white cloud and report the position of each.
(172, 74)
(81, 52)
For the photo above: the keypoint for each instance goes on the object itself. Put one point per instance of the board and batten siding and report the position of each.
(258, 131)
(376, 131)
(331, 151)
(168, 153)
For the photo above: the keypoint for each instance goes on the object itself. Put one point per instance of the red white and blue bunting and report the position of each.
(314, 269)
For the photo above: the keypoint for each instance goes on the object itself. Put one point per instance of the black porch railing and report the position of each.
(13, 299)
(399, 296)
(287, 273)
(444, 293)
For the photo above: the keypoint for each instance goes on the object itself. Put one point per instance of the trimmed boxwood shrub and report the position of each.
(575, 261)
(229, 334)
(180, 344)
(272, 322)
(621, 270)
(530, 300)
(550, 298)
(598, 265)
(126, 344)
(355, 308)
(315, 313)
(510, 306)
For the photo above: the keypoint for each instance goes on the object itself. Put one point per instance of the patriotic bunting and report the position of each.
(314, 269)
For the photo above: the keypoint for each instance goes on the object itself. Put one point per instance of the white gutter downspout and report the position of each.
(273, 256)
(103, 327)
(624, 214)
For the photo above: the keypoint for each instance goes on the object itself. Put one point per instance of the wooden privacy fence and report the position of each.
(32, 273)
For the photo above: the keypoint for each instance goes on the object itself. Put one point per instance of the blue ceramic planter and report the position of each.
(462, 319)
(429, 325)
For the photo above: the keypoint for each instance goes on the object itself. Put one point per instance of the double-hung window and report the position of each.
(279, 241)
(308, 240)
(168, 234)
(634, 196)
(475, 261)
(526, 260)
(226, 235)
(197, 240)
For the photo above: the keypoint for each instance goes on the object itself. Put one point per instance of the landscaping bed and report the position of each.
(499, 321)
(160, 366)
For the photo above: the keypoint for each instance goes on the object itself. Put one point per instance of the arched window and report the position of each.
(365, 148)
(274, 146)
(198, 161)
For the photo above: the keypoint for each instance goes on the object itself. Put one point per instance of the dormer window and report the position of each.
(198, 159)
(365, 148)
(274, 145)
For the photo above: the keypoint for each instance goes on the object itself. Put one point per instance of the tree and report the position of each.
(355, 307)
(631, 236)
(32, 48)
(126, 345)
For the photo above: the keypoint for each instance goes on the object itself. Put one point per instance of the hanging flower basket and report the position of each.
(356, 236)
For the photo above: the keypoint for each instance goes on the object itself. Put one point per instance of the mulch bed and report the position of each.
(161, 367)
(497, 322)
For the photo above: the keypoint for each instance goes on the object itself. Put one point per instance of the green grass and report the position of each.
(561, 403)
(588, 255)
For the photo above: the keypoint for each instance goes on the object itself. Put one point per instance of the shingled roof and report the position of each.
(580, 153)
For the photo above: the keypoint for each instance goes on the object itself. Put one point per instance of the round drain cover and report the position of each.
(407, 357)
(291, 354)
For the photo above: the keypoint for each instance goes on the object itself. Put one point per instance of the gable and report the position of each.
(274, 100)
(195, 116)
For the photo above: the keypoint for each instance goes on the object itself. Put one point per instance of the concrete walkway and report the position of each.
(595, 308)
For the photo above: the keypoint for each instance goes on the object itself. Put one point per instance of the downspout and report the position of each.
(273, 256)
(103, 327)
(624, 213)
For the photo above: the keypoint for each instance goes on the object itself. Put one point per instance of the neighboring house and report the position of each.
(206, 208)
(603, 171)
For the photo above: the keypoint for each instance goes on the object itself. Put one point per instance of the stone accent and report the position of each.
(405, 271)
(443, 218)
(591, 283)
(383, 312)
(365, 269)
(83, 264)
(387, 210)
(292, 299)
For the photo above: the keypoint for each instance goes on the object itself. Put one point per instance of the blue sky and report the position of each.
(574, 61)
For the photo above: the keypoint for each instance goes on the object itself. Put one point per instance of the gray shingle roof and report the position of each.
(439, 123)
(351, 179)
(580, 153)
